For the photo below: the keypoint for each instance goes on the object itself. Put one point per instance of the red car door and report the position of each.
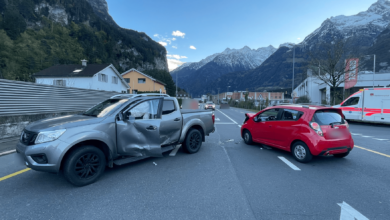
(264, 127)
(288, 125)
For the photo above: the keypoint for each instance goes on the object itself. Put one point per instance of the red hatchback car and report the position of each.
(303, 130)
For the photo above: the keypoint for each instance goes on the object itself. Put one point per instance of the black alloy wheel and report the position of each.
(84, 165)
(193, 141)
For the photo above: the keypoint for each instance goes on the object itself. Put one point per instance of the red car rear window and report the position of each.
(326, 117)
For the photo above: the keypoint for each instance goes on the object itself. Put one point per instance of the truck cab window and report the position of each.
(168, 107)
(351, 101)
(145, 110)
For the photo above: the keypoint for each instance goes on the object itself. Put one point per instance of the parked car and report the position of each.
(209, 105)
(305, 131)
(120, 130)
(368, 105)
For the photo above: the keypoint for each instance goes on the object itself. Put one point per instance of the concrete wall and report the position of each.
(12, 126)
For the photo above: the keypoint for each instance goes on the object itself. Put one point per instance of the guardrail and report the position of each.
(25, 98)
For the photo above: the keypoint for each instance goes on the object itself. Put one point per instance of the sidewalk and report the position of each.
(8, 144)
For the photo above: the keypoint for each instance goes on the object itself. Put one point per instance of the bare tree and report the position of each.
(328, 63)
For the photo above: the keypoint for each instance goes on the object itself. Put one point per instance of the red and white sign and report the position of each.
(351, 72)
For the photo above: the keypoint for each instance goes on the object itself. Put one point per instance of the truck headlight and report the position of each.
(47, 136)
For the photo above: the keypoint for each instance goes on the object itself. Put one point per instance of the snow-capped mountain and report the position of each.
(367, 24)
(244, 57)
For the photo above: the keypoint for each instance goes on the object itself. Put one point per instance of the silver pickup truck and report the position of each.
(120, 130)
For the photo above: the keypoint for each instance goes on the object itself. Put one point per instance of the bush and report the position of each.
(303, 99)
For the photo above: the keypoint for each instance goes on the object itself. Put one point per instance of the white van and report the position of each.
(370, 105)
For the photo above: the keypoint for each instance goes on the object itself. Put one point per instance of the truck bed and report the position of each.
(187, 111)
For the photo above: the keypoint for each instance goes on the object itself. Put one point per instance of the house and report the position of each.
(141, 82)
(86, 76)
(182, 95)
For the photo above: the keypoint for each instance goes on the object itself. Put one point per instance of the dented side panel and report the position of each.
(139, 138)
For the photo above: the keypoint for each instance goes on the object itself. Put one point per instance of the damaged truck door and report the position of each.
(138, 132)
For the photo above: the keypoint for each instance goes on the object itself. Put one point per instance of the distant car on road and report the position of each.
(209, 105)
(120, 130)
(305, 131)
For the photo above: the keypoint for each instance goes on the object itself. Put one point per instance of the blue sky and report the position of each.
(213, 25)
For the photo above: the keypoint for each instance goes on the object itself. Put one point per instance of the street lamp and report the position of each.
(292, 89)
(218, 95)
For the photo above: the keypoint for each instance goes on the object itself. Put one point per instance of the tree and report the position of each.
(303, 99)
(329, 66)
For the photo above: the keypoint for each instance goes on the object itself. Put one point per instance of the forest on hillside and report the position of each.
(31, 41)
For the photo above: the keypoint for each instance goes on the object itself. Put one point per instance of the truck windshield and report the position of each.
(103, 108)
(327, 117)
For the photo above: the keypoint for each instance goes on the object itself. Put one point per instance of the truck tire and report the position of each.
(84, 165)
(193, 141)
(301, 152)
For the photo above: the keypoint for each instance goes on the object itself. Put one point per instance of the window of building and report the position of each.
(115, 80)
(103, 77)
(59, 82)
(127, 80)
(141, 80)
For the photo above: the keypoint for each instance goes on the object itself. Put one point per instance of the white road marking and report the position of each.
(289, 163)
(228, 117)
(174, 151)
(217, 119)
(349, 213)
(239, 126)
(355, 134)
(7, 152)
(366, 136)
(381, 139)
(225, 123)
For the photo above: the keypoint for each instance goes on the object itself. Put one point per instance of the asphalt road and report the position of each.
(226, 179)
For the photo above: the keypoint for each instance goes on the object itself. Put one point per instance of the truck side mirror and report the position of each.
(128, 117)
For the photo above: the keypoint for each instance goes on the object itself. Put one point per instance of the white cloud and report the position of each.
(173, 39)
(192, 47)
(156, 35)
(173, 64)
(178, 57)
(174, 47)
(178, 34)
(163, 43)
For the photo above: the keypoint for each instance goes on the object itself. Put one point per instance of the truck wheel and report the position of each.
(247, 137)
(193, 141)
(341, 155)
(84, 165)
(301, 152)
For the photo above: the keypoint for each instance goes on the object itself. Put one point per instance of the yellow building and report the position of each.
(140, 82)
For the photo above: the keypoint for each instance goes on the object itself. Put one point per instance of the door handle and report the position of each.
(177, 119)
(151, 128)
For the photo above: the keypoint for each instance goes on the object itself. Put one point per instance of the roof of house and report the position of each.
(71, 70)
(135, 70)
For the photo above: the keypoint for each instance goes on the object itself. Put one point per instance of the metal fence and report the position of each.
(25, 98)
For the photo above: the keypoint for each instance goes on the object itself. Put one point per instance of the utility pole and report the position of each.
(373, 80)
(293, 71)
(218, 95)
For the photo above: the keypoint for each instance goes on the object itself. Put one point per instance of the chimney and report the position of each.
(84, 62)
